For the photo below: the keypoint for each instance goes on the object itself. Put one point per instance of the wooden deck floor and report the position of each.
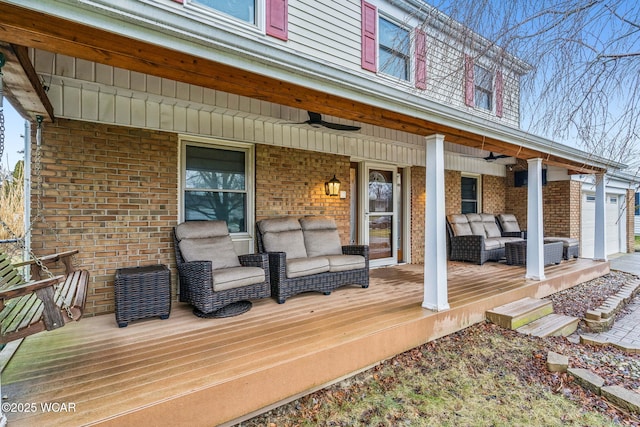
(190, 371)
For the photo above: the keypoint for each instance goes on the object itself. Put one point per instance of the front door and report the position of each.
(380, 216)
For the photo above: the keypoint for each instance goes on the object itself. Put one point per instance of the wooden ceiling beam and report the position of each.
(34, 29)
(22, 85)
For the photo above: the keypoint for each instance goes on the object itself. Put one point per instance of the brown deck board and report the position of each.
(166, 370)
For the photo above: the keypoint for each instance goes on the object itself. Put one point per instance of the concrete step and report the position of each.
(551, 325)
(519, 313)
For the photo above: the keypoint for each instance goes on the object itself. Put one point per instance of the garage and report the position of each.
(614, 219)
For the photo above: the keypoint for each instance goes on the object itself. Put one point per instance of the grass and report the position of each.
(475, 378)
(12, 204)
(637, 243)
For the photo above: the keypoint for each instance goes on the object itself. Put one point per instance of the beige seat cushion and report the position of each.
(459, 225)
(207, 241)
(490, 227)
(298, 267)
(321, 236)
(345, 262)
(201, 229)
(509, 223)
(477, 227)
(230, 278)
(504, 240)
(283, 235)
(490, 244)
(567, 242)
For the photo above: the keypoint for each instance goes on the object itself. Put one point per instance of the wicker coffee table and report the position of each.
(516, 253)
(142, 292)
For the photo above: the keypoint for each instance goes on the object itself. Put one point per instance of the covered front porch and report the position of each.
(191, 371)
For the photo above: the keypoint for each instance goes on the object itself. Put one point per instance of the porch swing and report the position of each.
(49, 301)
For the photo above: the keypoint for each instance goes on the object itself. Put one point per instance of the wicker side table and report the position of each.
(516, 253)
(142, 292)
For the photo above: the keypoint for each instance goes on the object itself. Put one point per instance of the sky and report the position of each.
(13, 140)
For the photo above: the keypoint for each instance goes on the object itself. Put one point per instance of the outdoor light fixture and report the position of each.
(332, 188)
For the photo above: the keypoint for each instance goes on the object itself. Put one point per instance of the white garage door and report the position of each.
(588, 224)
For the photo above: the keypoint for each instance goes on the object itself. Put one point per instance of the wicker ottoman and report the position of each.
(142, 292)
(570, 246)
(516, 252)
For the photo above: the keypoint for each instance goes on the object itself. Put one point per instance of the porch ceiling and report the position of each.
(24, 27)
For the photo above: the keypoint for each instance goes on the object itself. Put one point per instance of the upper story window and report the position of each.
(394, 47)
(244, 10)
(483, 83)
(483, 88)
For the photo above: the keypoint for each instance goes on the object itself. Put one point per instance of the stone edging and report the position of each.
(602, 318)
(619, 396)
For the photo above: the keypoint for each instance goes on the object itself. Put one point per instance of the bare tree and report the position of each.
(584, 84)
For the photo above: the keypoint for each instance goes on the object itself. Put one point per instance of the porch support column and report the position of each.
(600, 229)
(435, 240)
(535, 229)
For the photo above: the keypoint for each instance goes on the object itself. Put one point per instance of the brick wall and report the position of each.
(561, 206)
(290, 182)
(110, 192)
(493, 194)
(418, 200)
(452, 192)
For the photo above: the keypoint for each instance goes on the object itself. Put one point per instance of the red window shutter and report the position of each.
(421, 59)
(369, 26)
(468, 81)
(499, 91)
(277, 18)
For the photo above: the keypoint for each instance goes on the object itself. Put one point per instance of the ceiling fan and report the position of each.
(492, 158)
(315, 120)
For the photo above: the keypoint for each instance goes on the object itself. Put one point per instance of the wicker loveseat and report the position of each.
(213, 278)
(306, 255)
(476, 238)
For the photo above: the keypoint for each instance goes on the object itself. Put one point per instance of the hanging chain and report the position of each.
(38, 171)
(38, 261)
(1, 107)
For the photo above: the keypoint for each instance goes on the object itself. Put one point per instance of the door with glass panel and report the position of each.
(380, 214)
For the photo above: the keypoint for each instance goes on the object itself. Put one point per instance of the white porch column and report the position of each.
(600, 229)
(435, 239)
(535, 230)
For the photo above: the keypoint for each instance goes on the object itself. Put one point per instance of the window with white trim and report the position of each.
(394, 49)
(483, 84)
(470, 194)
(245, 10)
(218, 184)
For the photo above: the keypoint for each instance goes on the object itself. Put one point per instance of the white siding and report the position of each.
(326, 33)
(86, 101)
(330, 32)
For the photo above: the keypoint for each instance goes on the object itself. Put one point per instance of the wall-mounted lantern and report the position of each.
(332, 187)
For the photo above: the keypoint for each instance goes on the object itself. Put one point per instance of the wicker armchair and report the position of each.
(509, 226)
(213, 278)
